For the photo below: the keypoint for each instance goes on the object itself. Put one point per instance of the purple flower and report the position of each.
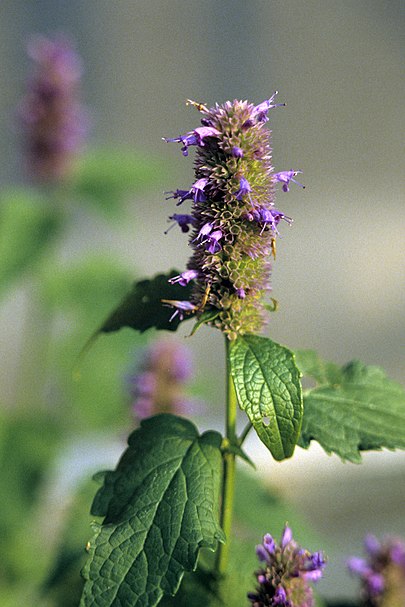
(182, 307)
(54, 123)
(287, 571)
(184, 221)
(195, 137)
(244, 188)
(259, 112)
(237, 152)
(198, 190)
(269, 218)
(382, 572)
(358, 566)
(184, 278)
(213, 241)
(286, 536)
(280, 597)
(285, 177)
(182, 195)
(205, 229)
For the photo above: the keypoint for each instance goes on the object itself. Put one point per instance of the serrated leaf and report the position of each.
(268, 388)
(27, 226)
(143, 309)
(160, 507)
(362, 409)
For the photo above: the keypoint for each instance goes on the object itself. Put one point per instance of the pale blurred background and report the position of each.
(339, 275)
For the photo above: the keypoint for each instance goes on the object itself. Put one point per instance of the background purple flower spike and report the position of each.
(287, 570)
(381, 572)
(158, 385)
(53, 121)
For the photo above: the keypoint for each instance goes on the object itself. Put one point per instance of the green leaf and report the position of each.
(160, 507)
(143, 309)
(105, 176)
(268, 388)
(27, 226)
(354, 409)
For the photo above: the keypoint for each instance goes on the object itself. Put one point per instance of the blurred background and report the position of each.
(339, 275)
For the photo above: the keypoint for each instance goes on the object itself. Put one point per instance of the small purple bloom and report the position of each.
(182, 307)
(237, 152)
(371, 544)
(269, 543)
(375, 583)
(184, 278)
(397, 553)
(280, 597)
(183, 220)
(285, 177)
(358, 565)
(244, 188)
(213, 244)
(259, 112)
(182, 195)
(204, 231)
(286, 536)
(261, 553)
(270, 218)
(198, 190)
(195, 137)
(241, 293)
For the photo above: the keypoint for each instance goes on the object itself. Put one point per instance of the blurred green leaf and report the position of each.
(160, 507)
(27, 226)
(142, 308)
(105, 176)
(80, 295)
(354, 408)
(64, 584)
(88, 287)
(268, 387)
(28, 442)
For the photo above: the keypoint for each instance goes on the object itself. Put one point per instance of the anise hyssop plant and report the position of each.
(172, 492)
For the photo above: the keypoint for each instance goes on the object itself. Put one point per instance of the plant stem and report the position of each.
(228, 482)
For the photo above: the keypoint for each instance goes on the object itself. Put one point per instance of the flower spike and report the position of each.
(234, 219)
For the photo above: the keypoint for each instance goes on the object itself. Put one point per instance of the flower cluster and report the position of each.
(53, 120)
(285, 576)
(382, 572)
(158, 386)
(233, 220)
